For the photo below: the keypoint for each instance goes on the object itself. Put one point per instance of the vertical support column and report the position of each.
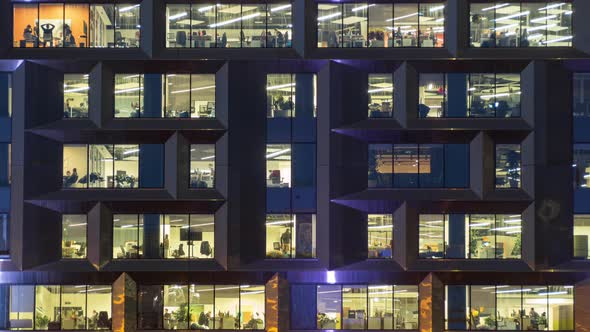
(100, 239)
(101, 97)
(481, 161)
(304, 27)
(456, 307)
(457, 27)
(152, 105)
(456, 246)
(5, 306)
(151, 236)
(582, 306)
(405, 94)
(151, 166)
(457, 99)
(405, 235)
(581, 26)
(153, 22)
(277, 304)
(546, 160)
(431, 299)
(303, 306)
(124, 317)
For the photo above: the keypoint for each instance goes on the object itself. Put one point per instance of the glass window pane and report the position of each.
(581, 165)
(380, 26)
(280, 95)
(126, 236)
(178, 29)
(25, 25)
(278, 165)
(229, 25)
(102, 25)
(126, 166)
(47, 308)
(279, 18)
(481, 95)
(508, 171)
(581, 95)
(201, 307)
(483, 308)
(482, 24)
(202, 96)
(380, 235)
(508, 236)
(51, 24)
(432, 94)
(431, 236)
(127, 25)
(432, 28)
(175, 307)
(21, 307)
(507, 95)
(305, 236)
(581, 235)
(150, 307)
(177, 87)
(354, 25)
(202, 25)
(482, 241)
(405, 24)
(559, 24)
(176, 236)
(254, 26)
(354, 307)
(380, 166)
(99, 307)
(534, 305)
(329, 24)
(75, 166)
(380, 307)
(280, 236)
(380, 95)
(252, 303)
(509, 303)
(4, 233)
(76, 90)
(534, 25)
(100, 159)
(128, 95)
(329, 306)
(202, 172)
(431, 165)
(405, 307)
(227, 301)
(75, 30)
(73, 237)
(560, 316)
(508, 24)
(201, 236)
(73, 307)
(405, 165)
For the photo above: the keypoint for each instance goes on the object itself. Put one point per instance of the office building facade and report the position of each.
(294, 165)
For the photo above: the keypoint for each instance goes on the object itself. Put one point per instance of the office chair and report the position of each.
(119, 39)
(181, 38)
(82, 251)
(103, 320)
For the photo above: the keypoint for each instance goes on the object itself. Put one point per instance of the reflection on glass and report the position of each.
(405, 165)
(202, 166)
(380, 95)
(76, 90)
(73, 238)
(581, 235)
(521, 24)
(581, 98)
(278, 165)
(354, 307)
(75, 165)
(581, 165)
(175, 307)
(252, 305)
(380, 235)
(329, 306)
(432, 95)
(4, 234)
(150, 303)
(128, 95)
(508, 169)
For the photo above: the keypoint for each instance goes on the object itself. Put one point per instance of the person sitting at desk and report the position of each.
(71, 179)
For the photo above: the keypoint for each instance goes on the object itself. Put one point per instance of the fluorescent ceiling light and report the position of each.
(128, 226)
(538, 35)
(496, 95)
(401, 17)
(280, 222)
(512, 16)
(208, 157)
(506, 27)
(128, 90)
(513, 291)
(126, 9)
(442, 19)
(494, 7)
(552, 6)
(506, 228)
(553, 293)
(323, 18)
(542, 27)
(252, 292)
(177, 16)
(233, 20)
(380, 90)
(194, 89)
(131, 151)
(541, 19)
(280, 86)
(381, 227)
(277, 153)
(199, 225)
(478, 224)
(492, 287)
(362, 7)
(558, 40)
(80, 224)
(206, 8)
(84, 88)
(433, 9)
(276, 9)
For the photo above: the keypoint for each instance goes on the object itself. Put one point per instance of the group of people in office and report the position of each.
(31, 34)
(381, 38)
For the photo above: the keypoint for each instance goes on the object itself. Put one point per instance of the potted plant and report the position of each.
(180, 316)
(41, 322)
(490, 322)
(542, 322)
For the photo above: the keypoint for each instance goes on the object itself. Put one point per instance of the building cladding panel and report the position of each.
(294, 165)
